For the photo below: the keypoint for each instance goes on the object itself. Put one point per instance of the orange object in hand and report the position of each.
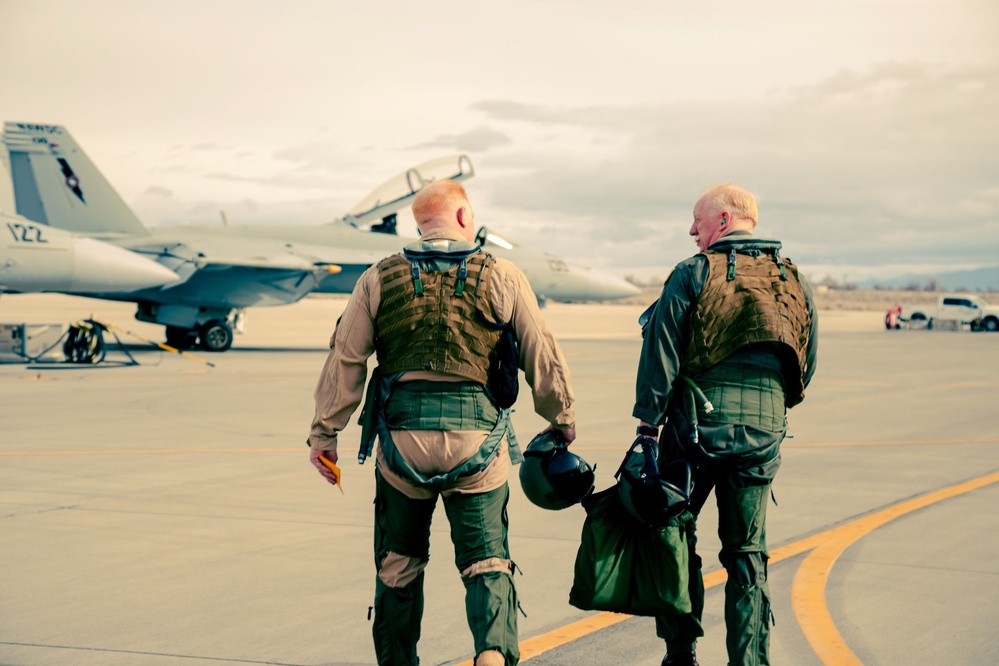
(331, 466)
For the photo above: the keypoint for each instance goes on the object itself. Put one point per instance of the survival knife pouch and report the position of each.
(503, 383)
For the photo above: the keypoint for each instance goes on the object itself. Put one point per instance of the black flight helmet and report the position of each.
(552, 477)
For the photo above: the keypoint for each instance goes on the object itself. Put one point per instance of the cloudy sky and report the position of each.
(868, 128)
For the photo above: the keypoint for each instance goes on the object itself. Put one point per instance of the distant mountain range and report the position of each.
(978, 279)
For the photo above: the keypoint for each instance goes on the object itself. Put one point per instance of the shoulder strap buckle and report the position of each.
(417, 282)
(780, 265)
(459, 287)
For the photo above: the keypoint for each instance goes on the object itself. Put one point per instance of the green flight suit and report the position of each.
(479, 526)
(736, 452)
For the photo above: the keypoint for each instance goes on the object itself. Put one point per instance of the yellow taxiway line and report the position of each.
(808, 588)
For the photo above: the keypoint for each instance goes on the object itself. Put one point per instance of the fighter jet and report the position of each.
(368, 233)
(55, 184)
(35, 257)
(226, 268)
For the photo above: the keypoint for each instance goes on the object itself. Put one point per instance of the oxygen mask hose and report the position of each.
(699, 394)
(692, 396)
(694, 437)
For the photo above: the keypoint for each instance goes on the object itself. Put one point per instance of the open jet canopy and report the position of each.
(399, 190)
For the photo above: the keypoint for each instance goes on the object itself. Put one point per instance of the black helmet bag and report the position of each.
(650, 493)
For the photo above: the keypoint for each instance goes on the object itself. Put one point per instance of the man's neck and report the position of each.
(443, 233)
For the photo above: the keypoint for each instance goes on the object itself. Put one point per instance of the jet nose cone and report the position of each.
(614, 287)
(600, 286)
(101, 267)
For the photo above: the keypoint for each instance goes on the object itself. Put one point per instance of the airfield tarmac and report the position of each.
(167, 514)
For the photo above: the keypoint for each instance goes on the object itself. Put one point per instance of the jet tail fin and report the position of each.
(55, 183)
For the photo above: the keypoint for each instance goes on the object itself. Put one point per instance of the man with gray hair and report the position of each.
(450, 325)
(735, 327)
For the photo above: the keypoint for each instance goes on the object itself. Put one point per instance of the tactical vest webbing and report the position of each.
(430, 320)
(751, 298)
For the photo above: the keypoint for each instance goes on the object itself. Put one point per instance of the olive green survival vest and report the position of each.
(435, 320)
(752, 295)
(430, 320)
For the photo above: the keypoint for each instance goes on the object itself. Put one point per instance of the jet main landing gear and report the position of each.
(213, 336)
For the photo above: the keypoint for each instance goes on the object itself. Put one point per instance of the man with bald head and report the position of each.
(735, 326)
(448, 323)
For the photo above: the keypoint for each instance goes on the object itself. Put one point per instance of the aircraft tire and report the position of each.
(215, 336)
(181, 338)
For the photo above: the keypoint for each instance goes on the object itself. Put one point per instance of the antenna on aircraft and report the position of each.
(225, 220)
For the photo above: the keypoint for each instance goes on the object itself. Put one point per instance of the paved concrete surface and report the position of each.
(167, 514)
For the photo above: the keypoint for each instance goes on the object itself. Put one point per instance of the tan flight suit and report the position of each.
(404, 508)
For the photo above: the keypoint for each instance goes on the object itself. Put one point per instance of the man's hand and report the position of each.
(568, 434)
(323, 469)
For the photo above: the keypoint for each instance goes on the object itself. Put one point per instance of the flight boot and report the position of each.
(684, 659)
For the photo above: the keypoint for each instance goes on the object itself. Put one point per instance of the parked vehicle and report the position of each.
(956, 309)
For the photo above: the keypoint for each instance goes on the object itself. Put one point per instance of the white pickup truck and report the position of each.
(959, 308)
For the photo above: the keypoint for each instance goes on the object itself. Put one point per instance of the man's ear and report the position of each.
(464, 216)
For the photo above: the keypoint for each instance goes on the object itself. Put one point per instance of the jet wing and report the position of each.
(218, 252)
(398, 191)
(333, 243)
(238, 271)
